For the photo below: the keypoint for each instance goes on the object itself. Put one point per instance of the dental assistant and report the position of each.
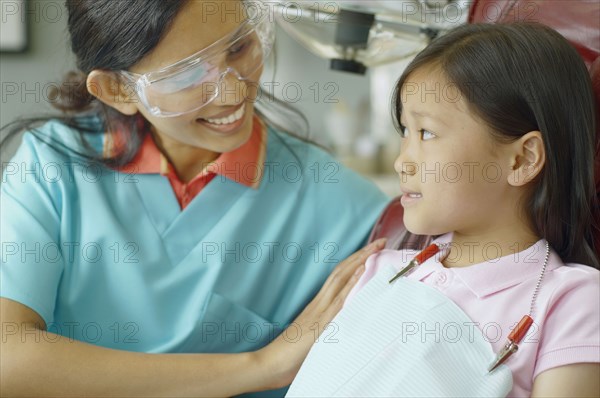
(164, 236)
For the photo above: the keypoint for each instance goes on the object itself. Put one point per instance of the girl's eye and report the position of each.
(426, 134)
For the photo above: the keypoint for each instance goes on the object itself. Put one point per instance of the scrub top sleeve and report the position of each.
(569, 334)
(31, 262)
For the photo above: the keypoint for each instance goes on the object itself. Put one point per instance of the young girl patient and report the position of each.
(496, 162)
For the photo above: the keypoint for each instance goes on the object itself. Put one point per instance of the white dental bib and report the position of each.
(400, 340)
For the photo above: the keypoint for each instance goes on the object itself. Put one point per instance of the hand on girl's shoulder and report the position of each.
(398, 259)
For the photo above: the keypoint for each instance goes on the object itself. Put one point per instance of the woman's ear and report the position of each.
(108, 88)
(528, 157)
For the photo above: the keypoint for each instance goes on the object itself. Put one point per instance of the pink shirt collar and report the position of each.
(492, 276)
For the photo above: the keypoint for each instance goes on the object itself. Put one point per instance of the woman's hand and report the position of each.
(284, 355)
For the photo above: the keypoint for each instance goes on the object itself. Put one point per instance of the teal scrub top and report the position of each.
(111, 259)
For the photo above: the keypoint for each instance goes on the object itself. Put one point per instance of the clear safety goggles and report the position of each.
(195, 81)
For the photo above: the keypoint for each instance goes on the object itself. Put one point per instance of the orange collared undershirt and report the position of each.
(243, 165)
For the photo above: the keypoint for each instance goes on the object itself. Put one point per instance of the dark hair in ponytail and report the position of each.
(108, 35)
(72, 96)
(113, 35)
(539, 82)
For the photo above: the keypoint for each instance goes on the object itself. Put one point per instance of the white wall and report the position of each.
(27, 77)
(303, 79)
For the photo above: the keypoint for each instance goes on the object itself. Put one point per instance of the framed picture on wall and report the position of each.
(13, 26)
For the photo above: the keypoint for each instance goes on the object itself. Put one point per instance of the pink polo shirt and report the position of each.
(497, 293)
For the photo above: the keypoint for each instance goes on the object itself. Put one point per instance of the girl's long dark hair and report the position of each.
(115, 35)
(523, 77)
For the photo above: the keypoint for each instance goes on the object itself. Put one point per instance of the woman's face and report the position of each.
(225, 123)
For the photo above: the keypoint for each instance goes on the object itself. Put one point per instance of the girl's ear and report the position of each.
(108, 88)
(527, 158)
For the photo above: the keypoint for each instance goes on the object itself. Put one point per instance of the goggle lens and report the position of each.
(198, 81)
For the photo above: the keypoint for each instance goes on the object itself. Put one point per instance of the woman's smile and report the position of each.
(226, 123)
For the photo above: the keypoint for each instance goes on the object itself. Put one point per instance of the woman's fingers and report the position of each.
(341, 297)
(344, 271)
(347, 267)
(338, 302)
(285, 358)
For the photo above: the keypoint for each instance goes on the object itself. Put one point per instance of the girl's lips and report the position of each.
(410, 198)
(406, 191)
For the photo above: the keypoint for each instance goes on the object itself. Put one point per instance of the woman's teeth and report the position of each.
(234, 117)
(414, 195)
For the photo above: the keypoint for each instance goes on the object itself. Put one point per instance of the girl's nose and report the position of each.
(404, 163)
(404, 167)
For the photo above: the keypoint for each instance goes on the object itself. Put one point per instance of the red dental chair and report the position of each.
(579, 22)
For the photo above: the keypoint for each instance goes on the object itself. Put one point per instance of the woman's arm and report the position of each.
(35, 362)
(577, 380)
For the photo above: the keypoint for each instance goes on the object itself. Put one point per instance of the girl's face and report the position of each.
(453, 175)
(225, 123)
